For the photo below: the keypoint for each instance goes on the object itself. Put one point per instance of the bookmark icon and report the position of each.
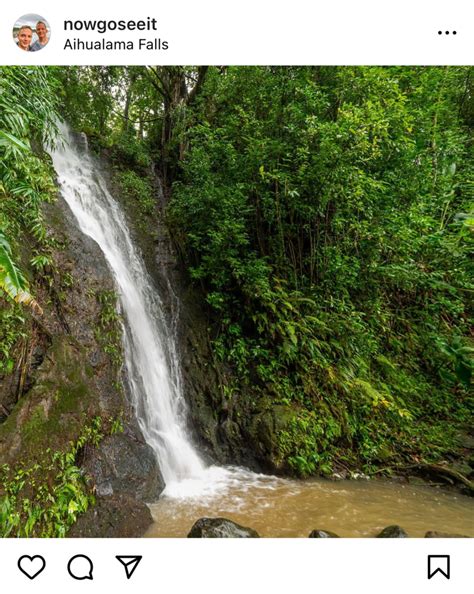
(439, 564)
(130, 563)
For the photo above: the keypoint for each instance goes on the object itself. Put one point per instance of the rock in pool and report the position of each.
(323, 534)
(220, 528)
(393, 532)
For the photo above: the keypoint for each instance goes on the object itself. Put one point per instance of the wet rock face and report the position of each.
(64, 395)
(123, 464)
(220, 528)
(393, 532)
(117, 516)
(261, 427)
(323, 534)
(69, 378)
(21, 380)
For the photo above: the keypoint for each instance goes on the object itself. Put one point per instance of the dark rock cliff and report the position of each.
(64, 378)
(68, 374)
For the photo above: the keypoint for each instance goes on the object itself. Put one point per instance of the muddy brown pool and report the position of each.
(289, 508)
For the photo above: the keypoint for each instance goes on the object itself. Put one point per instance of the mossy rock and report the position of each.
(116, 516)
(263, 431)
(55, 409)
(393, 531)
(220, 528)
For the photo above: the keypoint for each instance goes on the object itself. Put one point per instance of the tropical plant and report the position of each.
(11, 279)
(25, 179)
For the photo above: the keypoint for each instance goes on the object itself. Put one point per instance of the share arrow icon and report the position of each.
(130, 562)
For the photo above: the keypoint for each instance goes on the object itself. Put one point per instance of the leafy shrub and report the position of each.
(319, 209)
(138, 190)
(45, 498)
(131, 151)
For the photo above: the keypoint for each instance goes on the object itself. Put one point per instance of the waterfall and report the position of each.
(150, 353)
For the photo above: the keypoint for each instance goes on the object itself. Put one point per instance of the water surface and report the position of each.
(288, 508)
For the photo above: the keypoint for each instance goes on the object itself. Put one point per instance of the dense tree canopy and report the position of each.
(325, 213)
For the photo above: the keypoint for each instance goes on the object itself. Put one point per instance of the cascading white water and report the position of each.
(149, 353)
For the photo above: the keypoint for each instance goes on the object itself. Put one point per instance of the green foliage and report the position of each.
(44, 499)
(307, 444)
(462, 361)
(115, 106)
(131, 151)
(25, 180)
(139, 195)
(11, 279)
(109, 329)
(12, 326)
(86, 94)
(26, 119)
(325, 213)
(116, 426)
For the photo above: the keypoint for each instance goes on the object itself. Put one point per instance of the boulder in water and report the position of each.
(393, 532)
(123, 465)
(118, 516)
(220, 528)
(323, 534)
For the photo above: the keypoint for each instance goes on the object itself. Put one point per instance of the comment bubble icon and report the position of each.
(80, 567)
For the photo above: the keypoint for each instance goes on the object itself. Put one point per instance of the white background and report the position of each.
(253, 32)
(260, 31)
(244, 566)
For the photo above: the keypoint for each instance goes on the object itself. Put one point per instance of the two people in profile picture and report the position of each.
(24, 37)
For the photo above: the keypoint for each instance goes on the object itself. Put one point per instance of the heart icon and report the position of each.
(31, 566)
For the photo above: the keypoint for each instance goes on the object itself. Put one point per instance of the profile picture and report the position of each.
(31, 32)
